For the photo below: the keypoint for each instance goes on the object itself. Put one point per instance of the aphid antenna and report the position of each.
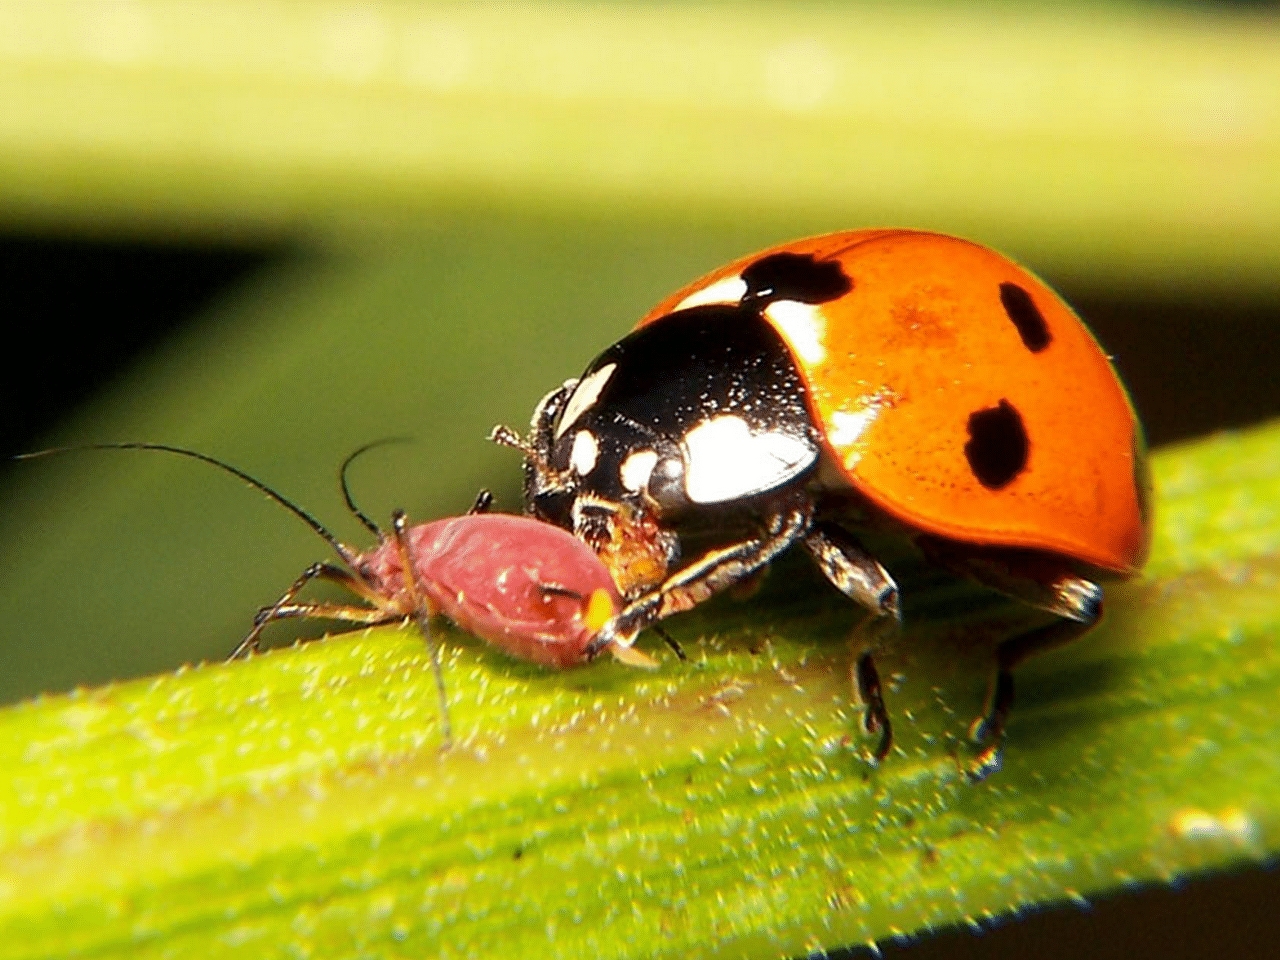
(316, 571)
(346, 488)
(342, 550)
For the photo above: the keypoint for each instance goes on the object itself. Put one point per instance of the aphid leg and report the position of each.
(1045, 586)
(483, 503)
(346, 613)
(714, 572)
(422, 616)
(670, 641)
(317, 571)
(861, 578)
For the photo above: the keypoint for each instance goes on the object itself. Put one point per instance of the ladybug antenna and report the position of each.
(346, 489)
(506, 437)
(342, 550)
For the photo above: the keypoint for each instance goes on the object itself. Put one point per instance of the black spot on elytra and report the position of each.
(997, 447)
(1026, 316)
(795, 276)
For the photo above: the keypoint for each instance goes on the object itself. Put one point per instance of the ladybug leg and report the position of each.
(1046, 587)
(853, 571)
(861, 578)
(671, 642)
(989, 729)
(715, 571)
(866, 680)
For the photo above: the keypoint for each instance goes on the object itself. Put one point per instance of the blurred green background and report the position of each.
(276, 231)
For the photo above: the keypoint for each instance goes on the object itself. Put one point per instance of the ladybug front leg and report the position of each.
(861, 578)
(789, 520)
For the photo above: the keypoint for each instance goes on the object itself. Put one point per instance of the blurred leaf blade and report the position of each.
(299, 803)
(1141, 139)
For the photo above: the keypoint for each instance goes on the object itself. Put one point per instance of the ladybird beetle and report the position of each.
(869, 379)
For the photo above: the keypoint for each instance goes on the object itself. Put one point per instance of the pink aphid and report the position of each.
(532, 590)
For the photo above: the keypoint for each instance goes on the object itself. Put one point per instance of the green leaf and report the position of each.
(300, 804)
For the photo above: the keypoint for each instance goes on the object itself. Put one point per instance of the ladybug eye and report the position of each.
(666, 484)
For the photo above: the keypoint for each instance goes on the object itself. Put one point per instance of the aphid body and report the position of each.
(532, 590)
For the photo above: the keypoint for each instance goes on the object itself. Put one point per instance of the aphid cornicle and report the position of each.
(895, 379)
(527, 588)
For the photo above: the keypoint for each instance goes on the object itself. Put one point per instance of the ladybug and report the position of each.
(858, 381)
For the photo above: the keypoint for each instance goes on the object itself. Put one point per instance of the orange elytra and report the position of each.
(935, 331)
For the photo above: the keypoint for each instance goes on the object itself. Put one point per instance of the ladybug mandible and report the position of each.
(900, 378)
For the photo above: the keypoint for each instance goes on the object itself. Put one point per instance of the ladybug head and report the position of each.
(586, 482)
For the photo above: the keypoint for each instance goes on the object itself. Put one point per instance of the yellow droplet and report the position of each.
(600, 609)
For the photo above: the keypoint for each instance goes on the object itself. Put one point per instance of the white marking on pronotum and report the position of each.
(728, 290)
(637, 469)
(583, 397)
(725, 460)
(585, 451)
(803, 325)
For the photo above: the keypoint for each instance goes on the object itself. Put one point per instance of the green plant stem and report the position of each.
(300, 805)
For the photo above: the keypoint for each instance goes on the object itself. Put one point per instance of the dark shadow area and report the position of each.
(1191, 365)
(79, 311)
(1227, 916)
